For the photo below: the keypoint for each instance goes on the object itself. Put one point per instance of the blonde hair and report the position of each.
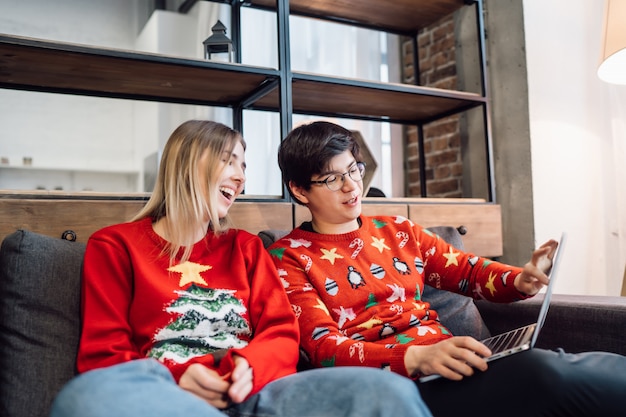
(181, 192)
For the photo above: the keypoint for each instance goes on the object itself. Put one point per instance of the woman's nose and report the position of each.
(239, 175)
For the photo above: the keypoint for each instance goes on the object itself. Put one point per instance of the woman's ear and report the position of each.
(299, 192)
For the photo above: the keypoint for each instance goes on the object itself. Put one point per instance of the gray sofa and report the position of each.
(40, 326)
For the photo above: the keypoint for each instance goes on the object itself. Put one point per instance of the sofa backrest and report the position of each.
(39, 320)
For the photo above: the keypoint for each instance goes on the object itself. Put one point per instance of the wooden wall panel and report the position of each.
(483, 223)
(52, 217)
(254, 217)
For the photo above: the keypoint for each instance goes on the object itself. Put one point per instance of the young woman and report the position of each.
(357, 284)
(183, 316)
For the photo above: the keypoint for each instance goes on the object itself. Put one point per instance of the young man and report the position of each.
(355, 283)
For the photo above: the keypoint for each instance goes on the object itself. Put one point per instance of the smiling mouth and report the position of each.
(227, 192)
(352, 200)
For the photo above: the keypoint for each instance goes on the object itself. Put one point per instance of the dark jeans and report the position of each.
(535, 383)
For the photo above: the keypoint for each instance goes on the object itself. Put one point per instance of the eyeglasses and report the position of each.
(333, 182)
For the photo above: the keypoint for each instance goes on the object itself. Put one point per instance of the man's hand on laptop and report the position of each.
(453, 358)
(534, 276)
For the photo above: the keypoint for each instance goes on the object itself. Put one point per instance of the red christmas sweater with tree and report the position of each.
(227, 298)
(357, 295)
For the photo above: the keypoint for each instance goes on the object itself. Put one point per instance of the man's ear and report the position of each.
(299, 192)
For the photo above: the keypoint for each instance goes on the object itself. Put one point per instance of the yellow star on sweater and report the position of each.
(379, 244)
(190, 272)
(330, 255)
(370, 323)
(321, 306)
(489, 285)
(451, 258)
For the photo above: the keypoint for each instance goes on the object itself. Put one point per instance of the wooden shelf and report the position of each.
(395, 16)
(352, 98)
(38, 65)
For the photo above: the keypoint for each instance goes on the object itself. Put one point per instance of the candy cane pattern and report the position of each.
(405, 238)
(359, 246)
(435, 280)
(308, 260)
(397, 308)
(358, 346)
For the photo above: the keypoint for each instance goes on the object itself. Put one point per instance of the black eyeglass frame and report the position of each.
(360, 166)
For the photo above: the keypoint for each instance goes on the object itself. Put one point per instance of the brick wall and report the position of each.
(442, 140)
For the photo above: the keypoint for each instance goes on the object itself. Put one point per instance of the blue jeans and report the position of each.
(146, 388)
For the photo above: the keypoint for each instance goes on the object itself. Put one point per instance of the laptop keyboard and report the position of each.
(501, 343)
(508, 340)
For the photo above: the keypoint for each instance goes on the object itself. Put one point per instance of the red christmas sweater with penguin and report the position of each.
(357, 295)
(227, 298)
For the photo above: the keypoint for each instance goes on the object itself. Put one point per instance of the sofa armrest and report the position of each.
(576, 323)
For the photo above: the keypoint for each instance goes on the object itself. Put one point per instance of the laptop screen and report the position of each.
(543, 312)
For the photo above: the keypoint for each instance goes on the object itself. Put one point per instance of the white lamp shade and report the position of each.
(613, 61)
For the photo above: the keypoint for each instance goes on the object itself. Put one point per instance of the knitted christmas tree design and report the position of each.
(206, 320)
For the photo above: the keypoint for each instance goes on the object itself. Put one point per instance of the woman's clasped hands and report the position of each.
(219, 390)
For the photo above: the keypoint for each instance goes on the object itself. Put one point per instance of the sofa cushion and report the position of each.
(272, 235)
(457, 312)
(39, 320)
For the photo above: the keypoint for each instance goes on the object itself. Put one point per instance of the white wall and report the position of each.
(578, 141)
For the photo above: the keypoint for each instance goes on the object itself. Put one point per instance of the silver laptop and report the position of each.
(522, 338)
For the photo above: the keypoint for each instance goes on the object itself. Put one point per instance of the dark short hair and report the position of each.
(308, 149)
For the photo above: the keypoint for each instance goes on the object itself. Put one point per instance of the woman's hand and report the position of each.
(453, 358)
(206, 384)
(242, 380)
(217, 390)
(533, 277)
